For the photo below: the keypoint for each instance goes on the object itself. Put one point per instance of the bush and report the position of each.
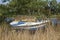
(2, 18)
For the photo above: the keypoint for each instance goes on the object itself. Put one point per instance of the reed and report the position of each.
(49, 34)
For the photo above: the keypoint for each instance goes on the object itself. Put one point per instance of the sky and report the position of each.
(58, 0)
(8, 2)
(3, 3)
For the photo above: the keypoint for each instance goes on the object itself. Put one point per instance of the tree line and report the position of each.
(30, 7)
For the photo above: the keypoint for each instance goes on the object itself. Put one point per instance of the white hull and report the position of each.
(28, 23)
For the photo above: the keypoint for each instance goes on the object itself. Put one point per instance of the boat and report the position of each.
(28, 25)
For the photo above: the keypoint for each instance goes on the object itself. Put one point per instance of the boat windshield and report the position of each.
(21, 22)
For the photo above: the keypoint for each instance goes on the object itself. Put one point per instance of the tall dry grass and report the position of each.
(49, 34)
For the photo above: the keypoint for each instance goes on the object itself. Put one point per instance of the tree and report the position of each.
(31, 7)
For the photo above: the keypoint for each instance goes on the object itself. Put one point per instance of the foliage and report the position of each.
(30, 7)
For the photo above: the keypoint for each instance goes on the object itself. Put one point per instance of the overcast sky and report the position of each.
(7, 2)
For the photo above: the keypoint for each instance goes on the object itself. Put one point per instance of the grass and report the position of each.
(50, 33)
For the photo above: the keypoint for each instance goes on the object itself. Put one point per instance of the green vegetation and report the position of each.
(37, 8)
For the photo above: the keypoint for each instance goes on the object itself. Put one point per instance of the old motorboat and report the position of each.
(28, 25)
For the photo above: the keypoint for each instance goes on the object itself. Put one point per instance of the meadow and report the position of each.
(50, 33)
